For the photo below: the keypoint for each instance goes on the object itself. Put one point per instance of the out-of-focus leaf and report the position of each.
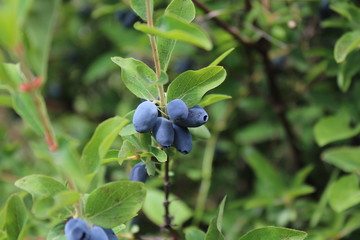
(334, 128)
(137, 77)
(114, 203)
(176, 28)
(201, 132)
(193, 233)
(16, 217)
(139, 7)
(346, 44)
(347, 71)
(274, 233)
(57, 232)
(154, 208)
(191, 86)
(345, 158)
(184, 9)
(99, 144)
(39, 28)
(344, 193)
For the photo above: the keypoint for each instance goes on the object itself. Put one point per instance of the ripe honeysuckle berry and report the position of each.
(110, 233)
(145, 117)
(182, 139)
(138, 173)
(77, 229)
(197, 116)
(177, 110)
(163, 132)
(97, 233)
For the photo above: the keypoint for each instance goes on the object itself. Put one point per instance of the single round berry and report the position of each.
(197, 116)
(182, 139)
(145, 117)
(177, 110)
(138, 173)
(97, 233)
(163, 132)
(76, 229)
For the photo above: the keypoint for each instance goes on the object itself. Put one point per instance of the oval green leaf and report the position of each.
(274, 233)
(345, 158)
(40, 185)
(346, 43)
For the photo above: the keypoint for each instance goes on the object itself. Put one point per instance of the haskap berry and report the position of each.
(182, 139)
(163, 132)
(197, 116)
(97, 233)
(138, 173)
(145, 117)
(177, 110)
(77, 229)
(110, 233)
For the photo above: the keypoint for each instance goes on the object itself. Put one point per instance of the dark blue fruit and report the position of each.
(77, 229)
(110, 233)
(197, 117)
(138, 173)
(182, 139)
(145, 117)
(97, 233)
(163, 132)
(177, 110)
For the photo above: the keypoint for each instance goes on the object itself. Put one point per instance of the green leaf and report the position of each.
(213, 98)
(274, 233)
(201, 132)
(345, 158)
(184, 9)
(126, 150)
(344, 193)
(16, 217)
(38, 29)
(347, 71)
(40, 185)
(346, 44)
(114, 203)
(214, 230)
(139, 8)
(191, 86)
(154, 208)
(5, 100)
(193, 233)
(334, 128)
(269, 179)
(64, 199)
(176, 28)
(221, 57)
(128, 130)
(159, 154)
(9, 23)
(101, 141)
(57, 232)
(137, 77)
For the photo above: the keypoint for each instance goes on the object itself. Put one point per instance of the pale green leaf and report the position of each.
(137, 77)
(221, 57)
(274, 233)
(16, 217)
(201, 132)
(213, 98)
(193, 233)
(344, 193)
(182, 8)
(101, 141)
(346, 44)
(345, 158)
(191, 86)
(139, 8)
(334, 128)
(347, 71)
(176, 28)
(57, 232)
(40, 185)
(154, 208)
(114, 203)
(214, 229)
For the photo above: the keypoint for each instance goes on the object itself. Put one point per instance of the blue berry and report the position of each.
(182, 139)
(77, 229)
(145, 117)
(138, 173)
(97, 233)
(110, 233)
(177, 110)
(163, 132)
(197, 116)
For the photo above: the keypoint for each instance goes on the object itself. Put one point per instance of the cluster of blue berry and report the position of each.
(173, 131)
(78, 229)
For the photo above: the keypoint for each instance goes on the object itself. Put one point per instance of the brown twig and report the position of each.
(262, 47)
